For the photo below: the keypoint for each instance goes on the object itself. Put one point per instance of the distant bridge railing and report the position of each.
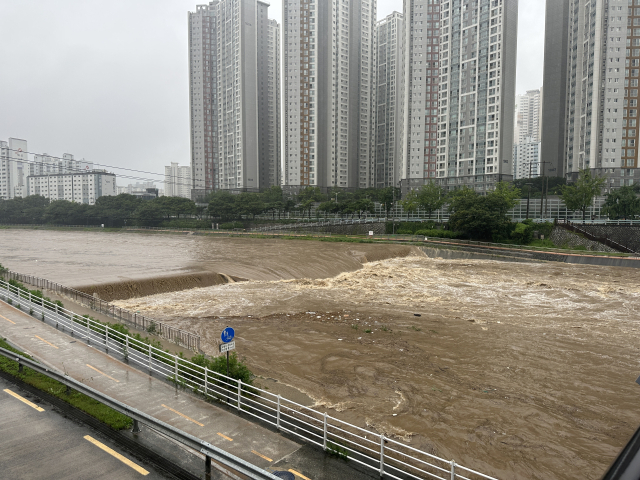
(172, 334)
(386, 456)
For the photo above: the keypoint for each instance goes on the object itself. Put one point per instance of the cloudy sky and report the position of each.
(108, 81)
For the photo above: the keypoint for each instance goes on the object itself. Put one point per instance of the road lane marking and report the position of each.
(102, 373)
(115, 454)
(298, 474)
(225, 437)
(24, 400)
(45, 341)
(183, 415)
(10, 321)
(261, 455)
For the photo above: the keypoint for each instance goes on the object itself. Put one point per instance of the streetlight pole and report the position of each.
(528, 197)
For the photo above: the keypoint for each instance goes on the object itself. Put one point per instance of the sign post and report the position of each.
(227, 337)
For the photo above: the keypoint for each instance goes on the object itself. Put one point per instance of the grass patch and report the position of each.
(97, 410)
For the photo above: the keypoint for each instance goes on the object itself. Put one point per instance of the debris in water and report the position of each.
(417, 315)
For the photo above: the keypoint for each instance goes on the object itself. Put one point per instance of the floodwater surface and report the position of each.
(518, 370)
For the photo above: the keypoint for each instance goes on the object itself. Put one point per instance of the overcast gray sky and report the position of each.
(108, 81)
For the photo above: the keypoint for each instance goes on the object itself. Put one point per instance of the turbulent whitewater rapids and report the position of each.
(525, 370)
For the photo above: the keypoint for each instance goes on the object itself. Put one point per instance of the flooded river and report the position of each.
(519, 370)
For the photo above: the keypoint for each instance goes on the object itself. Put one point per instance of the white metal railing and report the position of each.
(172, 334)
(389, 457)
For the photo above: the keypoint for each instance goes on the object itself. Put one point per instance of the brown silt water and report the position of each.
(518, 370)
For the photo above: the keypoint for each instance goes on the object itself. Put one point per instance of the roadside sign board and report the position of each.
(227, 335)
(225, 347)
(371, 233)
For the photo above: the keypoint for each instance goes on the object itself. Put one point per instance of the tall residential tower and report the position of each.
(389, 102)
(477, 92)
(234, 92)
(598, 68)
(329, 96)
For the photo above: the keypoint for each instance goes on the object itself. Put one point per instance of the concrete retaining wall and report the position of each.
(627, 235)
(563, 237)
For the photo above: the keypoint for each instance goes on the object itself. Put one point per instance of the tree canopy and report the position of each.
(622, 203)
(580, 195)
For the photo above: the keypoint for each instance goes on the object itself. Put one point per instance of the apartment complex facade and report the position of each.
(526, 147)
(14, 168)
(234, 96)
(85, 187)
(599, 68)
(389, 114)
(177, 181)
(329, 92)
(477, 93)
(526, 159)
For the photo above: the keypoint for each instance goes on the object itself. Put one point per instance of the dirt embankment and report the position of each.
(151, 286)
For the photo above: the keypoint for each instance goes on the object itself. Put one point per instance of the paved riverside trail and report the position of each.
(232, 433)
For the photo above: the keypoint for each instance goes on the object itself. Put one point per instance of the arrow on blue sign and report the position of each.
(227, 335)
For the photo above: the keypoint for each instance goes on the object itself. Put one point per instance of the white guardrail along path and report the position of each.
(389, 457)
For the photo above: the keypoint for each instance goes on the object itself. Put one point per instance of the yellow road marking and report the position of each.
(225, 437)
(10, 321)
(261, 455)
(102, 373)
(45, 341)
(112, 452)
(183, 415)
(24, 400)
(298, 474)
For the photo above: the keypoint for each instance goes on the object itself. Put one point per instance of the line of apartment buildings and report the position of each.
(56, 178)
(427, 94)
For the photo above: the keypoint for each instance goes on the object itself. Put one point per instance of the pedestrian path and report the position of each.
(230, 432)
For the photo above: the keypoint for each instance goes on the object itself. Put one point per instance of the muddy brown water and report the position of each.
(517, 370)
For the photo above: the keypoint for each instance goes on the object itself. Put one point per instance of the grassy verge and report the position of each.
(106, 415)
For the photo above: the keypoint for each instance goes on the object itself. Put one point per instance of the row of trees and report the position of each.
(223, 206)
(112, 211)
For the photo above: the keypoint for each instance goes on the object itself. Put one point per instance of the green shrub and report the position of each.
(439, 233)
(231, 225)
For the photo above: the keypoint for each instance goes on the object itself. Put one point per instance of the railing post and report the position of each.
(206, 380)
(136, 427)
(149, 359)
(239, 392)
(453, 470)
(278, 414)
(126, 356)
(324, 432)
(106, 339)
(381, 455)
(88, 329)
(175, 369)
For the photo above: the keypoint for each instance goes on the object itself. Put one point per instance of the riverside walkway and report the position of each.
(245, 439)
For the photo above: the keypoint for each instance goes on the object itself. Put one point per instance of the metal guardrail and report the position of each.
(172, 334)
(210, 451)
(388, 457)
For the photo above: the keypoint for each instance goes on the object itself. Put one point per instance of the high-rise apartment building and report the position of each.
(526, 159)
(329, 96)
(177, 181)
(232, 61)
(528, 117)
(421, 79)
(477, 92)
(82, 187)
(389, 101)
(14, 168)
(598, 66)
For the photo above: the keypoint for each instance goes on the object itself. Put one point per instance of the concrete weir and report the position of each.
(150, 286)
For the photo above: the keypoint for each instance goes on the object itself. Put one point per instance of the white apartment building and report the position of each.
(528, 117)
(177, 181)
(329, 92)
(526, 159)
(389, 113)
(421, 79)
(232, 55)
(14, 168)
(477, 92)
(599, 69)
(84, 187)
(48, 164)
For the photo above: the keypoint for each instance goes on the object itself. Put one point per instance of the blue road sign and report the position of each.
(227, 335)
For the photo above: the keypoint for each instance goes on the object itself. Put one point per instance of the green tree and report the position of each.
(387, 197)
(506, 196)
(410, 202)
(116, 210)
(149, 214)
(580, 195)
(222, 205)
(175, 206)
(307, 197)
(431, 197)
(555, 185)
(64, 212)
(273, 200)
(480, 217)
(622, 203)
(248, 203)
